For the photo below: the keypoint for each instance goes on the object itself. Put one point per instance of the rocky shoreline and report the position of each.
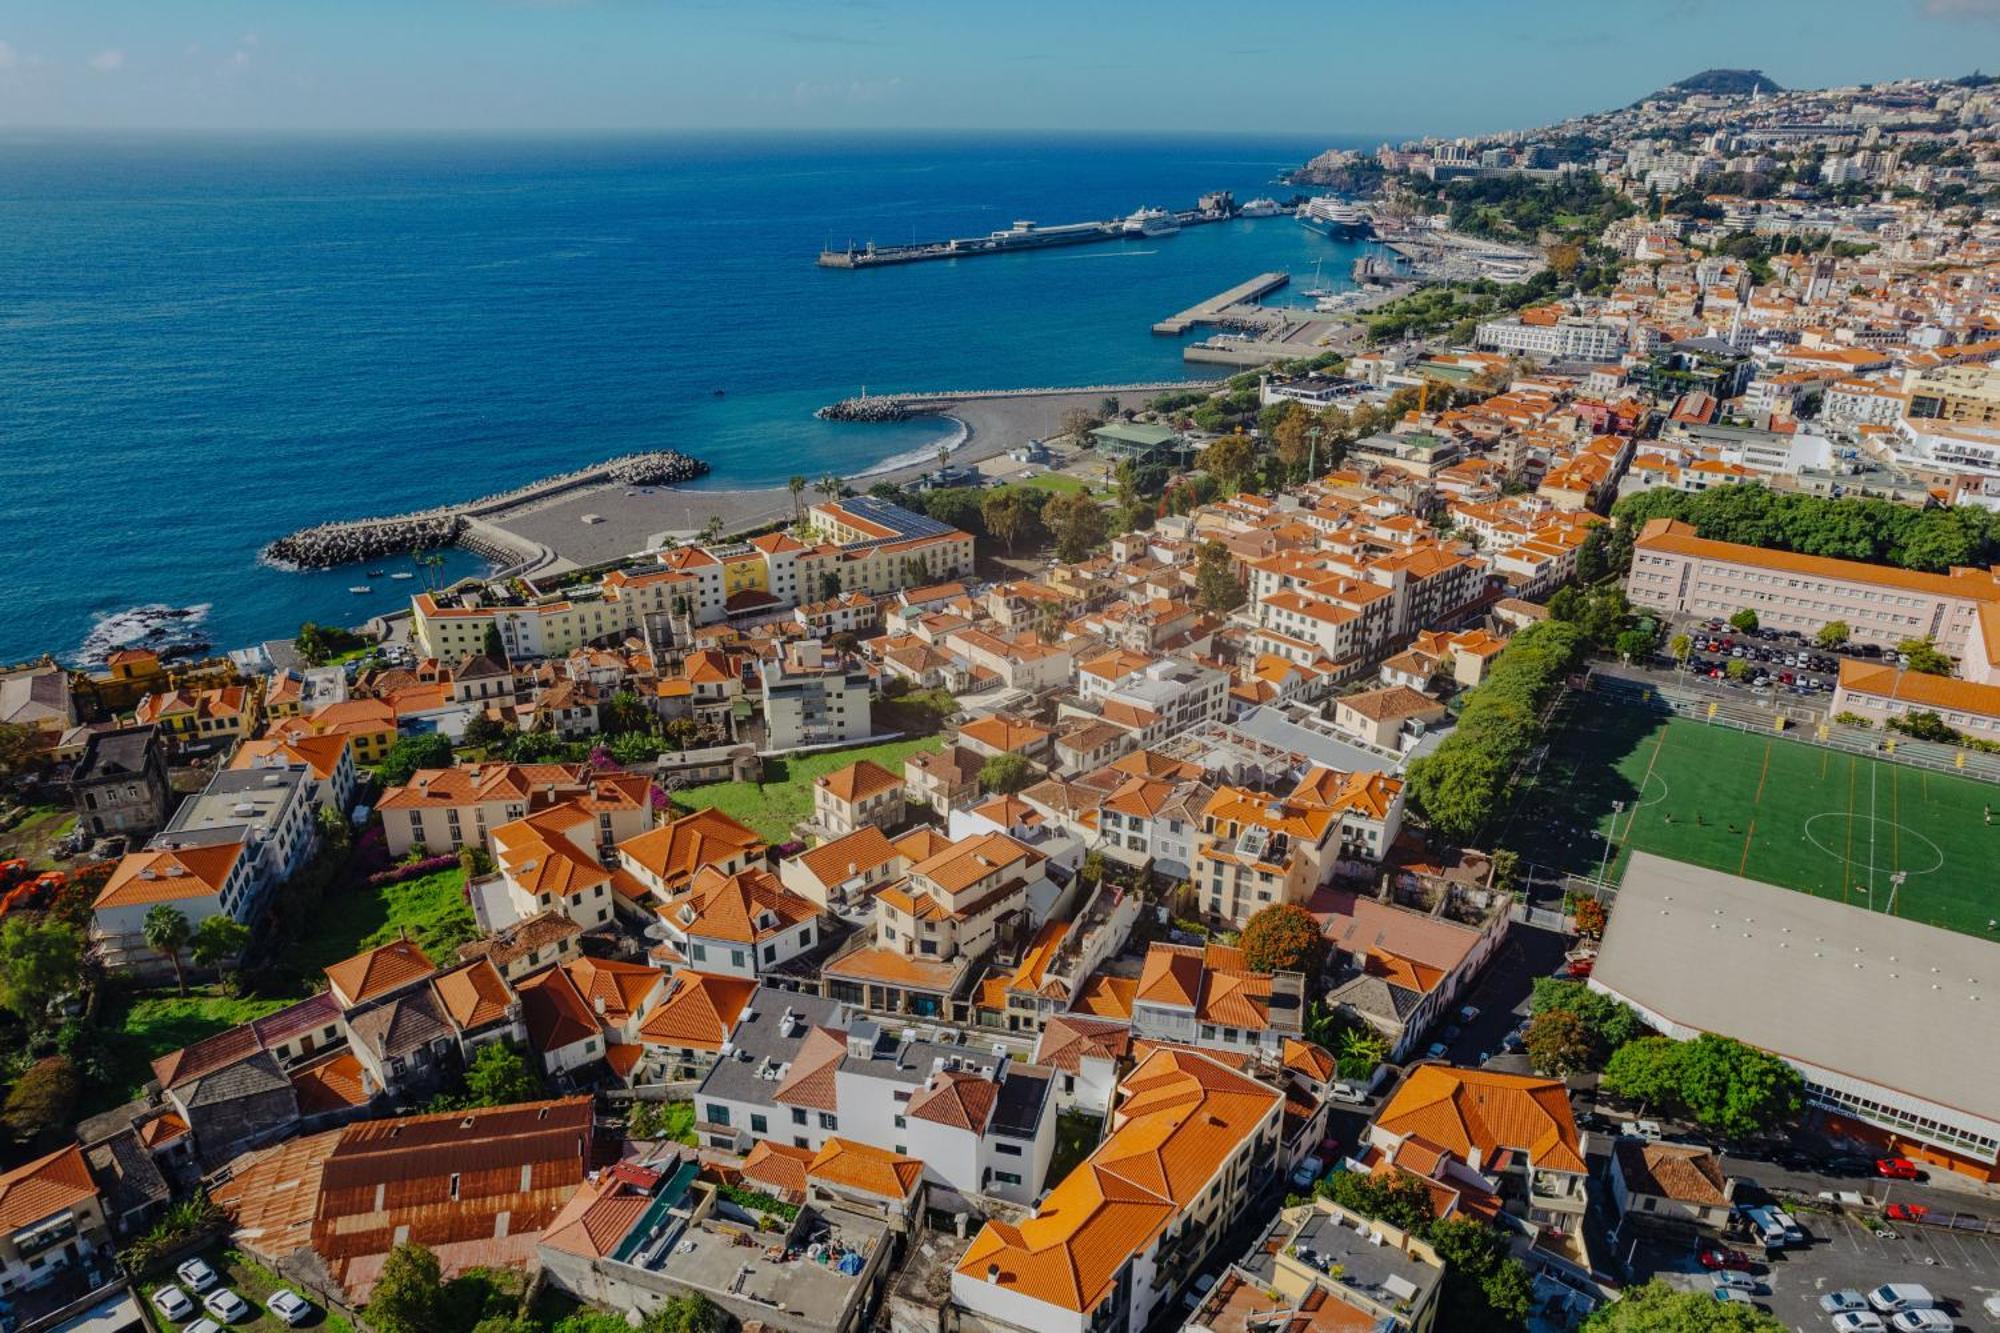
(868, 407)
(325, 545)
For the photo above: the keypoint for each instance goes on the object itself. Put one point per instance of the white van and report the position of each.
(1767, 1226)
(1895, 1297)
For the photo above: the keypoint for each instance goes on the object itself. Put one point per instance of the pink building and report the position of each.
(1673, 570)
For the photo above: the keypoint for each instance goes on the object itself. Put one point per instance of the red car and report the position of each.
(1895, 1168)
(1582, 967)
(1712, 1258)
(1906, 1212)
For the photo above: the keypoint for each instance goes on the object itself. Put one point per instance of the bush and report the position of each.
(42, 1103)
(1284, 937)
(413, 869)
(758, 1201)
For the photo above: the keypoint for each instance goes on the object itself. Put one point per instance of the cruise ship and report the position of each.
(1329, 216)
(1152, 222)
(1259, 208)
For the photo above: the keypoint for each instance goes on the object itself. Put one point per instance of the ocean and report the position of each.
(207, 341)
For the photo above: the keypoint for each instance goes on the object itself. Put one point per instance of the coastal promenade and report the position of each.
(592, 526)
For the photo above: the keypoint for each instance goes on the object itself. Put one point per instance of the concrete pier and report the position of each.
(1218, 308)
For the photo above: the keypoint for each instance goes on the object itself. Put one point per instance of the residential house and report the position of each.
(739, 925)
(863, 792)
(448, 808)
(1669, 1189)
(326, 758)
(1210, 997)
(51, 1220)
(120, 784)
(1398, 970)
(944, 780)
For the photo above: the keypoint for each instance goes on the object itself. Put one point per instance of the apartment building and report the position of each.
(222, 853)
(443, 809)
(1209, 997)
(1963, 394)
(1256, 849)
(814, 697)
(1674, 570)
(801, 1070)
(550, 861)
(1189, 1144)
(1569, 338)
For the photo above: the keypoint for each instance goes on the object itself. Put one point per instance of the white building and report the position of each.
(812, 697)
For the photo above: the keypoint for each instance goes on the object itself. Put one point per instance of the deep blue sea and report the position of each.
(208, 341)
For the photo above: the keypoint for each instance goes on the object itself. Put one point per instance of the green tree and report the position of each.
(1658, 1308)
(1558, 1043)
(797, 486)
(409, 1294)
(1010, 514)
(623, 712)
(1216, 585)
(1613, 1022)
(483, 732)
(1736, 669)
(1484, 1287)
(1682, 647)
(1646, 1071)
(1924, 656)
(1291, 439)
(42, 1102)
(490, 644)
(40, 959)
(1744, 621)
(1006, 774)
(1734, 1089)
(1076, 521)
(1833, 634)
(1284, 937)
(1633, 644)
(498, 1076)
(20, 749)
(218, 941)
(167, 932)
(688, 1313)
(1229, 459)
(1401, 1200)
(1592, 558)
(407, 754)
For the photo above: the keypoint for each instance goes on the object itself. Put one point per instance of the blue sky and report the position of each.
(1329, 66)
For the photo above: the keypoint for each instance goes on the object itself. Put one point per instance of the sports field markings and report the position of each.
(1813, 836)
(1846, 856)
(1651, 780)
(1762, 773)
(1748, 834)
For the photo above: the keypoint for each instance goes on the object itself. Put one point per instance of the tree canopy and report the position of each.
(1006, 774)
(1216, 584)
(407, 754)
(1284, 937)
(1851, 528)
(1076, 521)
(40, 960)
(498, 1076)
(1658, 1308)
(409, 1293)
(1715, 1081)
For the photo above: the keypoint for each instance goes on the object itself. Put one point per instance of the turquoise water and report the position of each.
(211, 341)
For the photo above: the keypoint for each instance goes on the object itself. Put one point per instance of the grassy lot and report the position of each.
(255, 1284)
(1076, 1134)
(1782, 811)
(431, 907)
(784, 797)
(31, 839)
(1053, 481)
(138, 1029)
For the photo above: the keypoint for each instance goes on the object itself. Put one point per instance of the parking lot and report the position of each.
(1961, 1270)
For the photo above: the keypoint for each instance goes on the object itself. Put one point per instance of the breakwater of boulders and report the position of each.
(349, 541)
(877, 407)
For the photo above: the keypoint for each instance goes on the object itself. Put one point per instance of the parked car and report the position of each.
(1641, 1129)
(1731, 1296)
(172, 1302)
(1438, 1050)
(1906, 1212)
(225, 1305)
(1896, 1297)
(1469, 1014)
(196, 1274)
(1716, 1257)
(1307, 1172)
(203, 1325)
(1896, 1168)
(1844, 1301)
(1199, 1292)
(1921, 1321)
(1858, 1321)
(289, 1306)
(1737, 1280)
(1847, 1164)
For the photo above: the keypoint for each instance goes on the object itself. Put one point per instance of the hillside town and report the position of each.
(1484, 828)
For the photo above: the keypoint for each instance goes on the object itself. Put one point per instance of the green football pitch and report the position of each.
(1618, 777)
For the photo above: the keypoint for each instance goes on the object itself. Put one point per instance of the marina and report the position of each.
(1145, 223)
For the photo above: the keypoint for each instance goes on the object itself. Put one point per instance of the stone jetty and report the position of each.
(349, 541)
(902, 407)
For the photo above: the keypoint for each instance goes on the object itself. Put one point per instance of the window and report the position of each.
(827, 1120)
(799, 1141)
(1006, 1177)
(759, 1125)
(1007, 1149)
(799, 1117)
(718, 1114)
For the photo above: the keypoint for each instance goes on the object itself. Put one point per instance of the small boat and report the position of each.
(402, 574)
(1319, 288)
(360, 589)
(1259, 208)
(374, 573)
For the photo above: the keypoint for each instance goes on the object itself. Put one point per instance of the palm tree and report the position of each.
(797, 486)
(167, 932)
(1049, 621)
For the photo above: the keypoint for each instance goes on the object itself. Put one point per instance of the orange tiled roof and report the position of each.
(864, 849)
(1468, 1111)
(778, 1165)
(160, 877)
(676, 851)
(746, 907)
(473, 995)
(1107, 997)
(698, 1012)
(811, 1080)
(36, 1189)
(858, 781)
(872, 1170)
(378, 971)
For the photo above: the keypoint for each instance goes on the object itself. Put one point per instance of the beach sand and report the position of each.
(629, 520)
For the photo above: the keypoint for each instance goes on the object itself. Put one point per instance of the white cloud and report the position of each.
(106, 62)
